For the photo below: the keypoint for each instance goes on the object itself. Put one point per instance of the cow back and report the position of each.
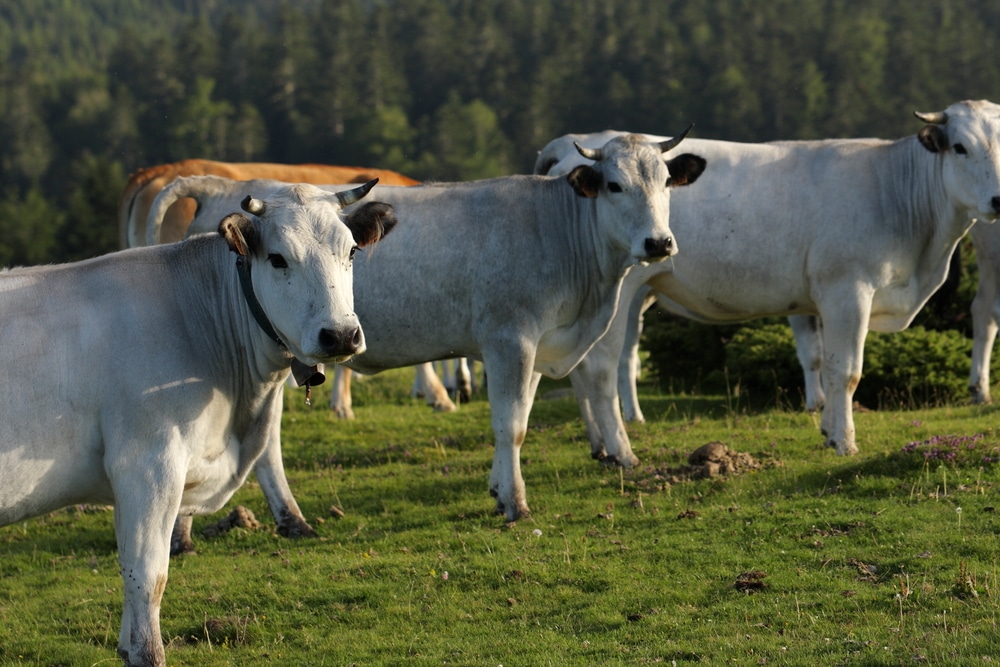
(146, 183)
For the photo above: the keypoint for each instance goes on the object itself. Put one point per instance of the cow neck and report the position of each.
(305, 375)
(246, 282)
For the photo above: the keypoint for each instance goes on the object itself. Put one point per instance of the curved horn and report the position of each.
(594, 154)
(251, 205)
(348, 197)
(672, 143)
(934, 117)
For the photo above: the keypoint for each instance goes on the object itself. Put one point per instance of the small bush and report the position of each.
(684, 355)
(915, 367)
(762, 360)
(906, 369)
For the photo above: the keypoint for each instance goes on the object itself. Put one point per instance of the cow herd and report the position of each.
(174, 356)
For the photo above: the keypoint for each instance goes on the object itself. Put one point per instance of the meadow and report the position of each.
(799, 558)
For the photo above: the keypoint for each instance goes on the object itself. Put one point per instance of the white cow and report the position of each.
(170, 211)
(985, 318)
(856, 231)
(169, 386)
(521, 272)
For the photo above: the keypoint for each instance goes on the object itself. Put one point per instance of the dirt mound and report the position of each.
(715, 459)
(240, 517)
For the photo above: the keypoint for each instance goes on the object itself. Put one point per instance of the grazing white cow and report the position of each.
(172, 361)
(521, 272)
(856, 231)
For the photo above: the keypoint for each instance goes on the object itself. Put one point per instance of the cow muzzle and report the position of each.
(660, 248)
(343, 343)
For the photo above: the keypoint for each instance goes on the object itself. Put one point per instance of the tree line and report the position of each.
(438, 89)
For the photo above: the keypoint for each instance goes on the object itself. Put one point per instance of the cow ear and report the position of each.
(370, 222)
(933, 138)
(685, 169)
(239, 232)
(586, 181)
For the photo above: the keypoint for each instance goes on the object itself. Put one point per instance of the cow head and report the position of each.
(967, 137)
(299, 245)
(631, 183)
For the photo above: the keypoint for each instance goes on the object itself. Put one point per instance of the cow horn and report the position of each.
(348, 197)
(594, 154)
(935, 117)
(251, 205)
(672, 143)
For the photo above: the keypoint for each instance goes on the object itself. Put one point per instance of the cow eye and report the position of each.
(353, 251)
(614, 187)
(277, 261)
(960, 149)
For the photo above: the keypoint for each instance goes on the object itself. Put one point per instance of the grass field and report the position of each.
(887, 558)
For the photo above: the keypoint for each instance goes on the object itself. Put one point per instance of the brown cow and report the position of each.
(145, 184)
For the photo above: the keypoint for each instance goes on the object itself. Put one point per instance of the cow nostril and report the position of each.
(340, 343)
(659, 247)
(996, 204)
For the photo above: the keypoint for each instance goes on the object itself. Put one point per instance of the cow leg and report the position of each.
(270, 472)
(843, 341)
(511, 392)
(147, 499)
(600, 413)
(985, 315)
(463, 380)
(180, 537)
(984, 330)
(434, 392)
(594, 384)
(809, 350)
(340, 392)
(579, 382)
(629, 366)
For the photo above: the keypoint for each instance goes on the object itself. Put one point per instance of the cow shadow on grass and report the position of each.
(886, 475)
(88, 529)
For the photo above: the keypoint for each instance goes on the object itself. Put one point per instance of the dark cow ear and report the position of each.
(685, 169)
(370, 222)
(586, 181)
(933, 138)
(239, 233)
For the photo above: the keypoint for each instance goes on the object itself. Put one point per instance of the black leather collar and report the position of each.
(246, 282)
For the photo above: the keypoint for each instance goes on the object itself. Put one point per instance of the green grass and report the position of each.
(860, 561)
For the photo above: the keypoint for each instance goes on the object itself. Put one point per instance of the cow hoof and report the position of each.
(979, 397)
(842, 449)
(444, 407)
(621, 462)
(343, 413)
(514, 512)
(847, 450)
(295, 526)
(182, 547)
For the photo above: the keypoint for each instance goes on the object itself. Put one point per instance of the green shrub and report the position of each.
(911, 368)
(915, 367)
(683, 355)
(761, 359)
